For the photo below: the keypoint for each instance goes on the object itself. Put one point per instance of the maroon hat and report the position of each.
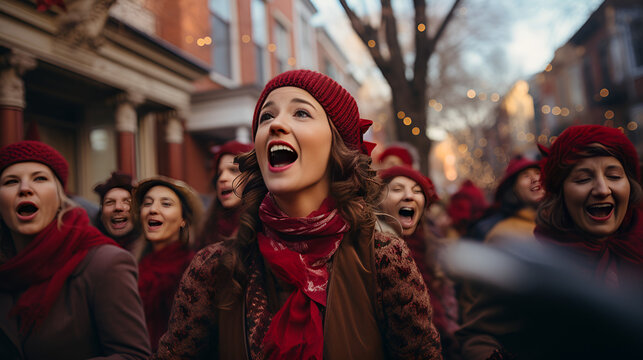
(425, 183)
(232, 147)
(117, 180)
(467, 204)
(568, 147)
(28, 150)
(515, 166)
(398, 151)
(338, 104)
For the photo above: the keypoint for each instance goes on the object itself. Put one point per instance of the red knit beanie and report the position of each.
(430, 195)
(466, 205)
(117, 180)
(232, 147)
(398, 151)
(28, 150)
(339, 105)
(515, 166)
(568, 148)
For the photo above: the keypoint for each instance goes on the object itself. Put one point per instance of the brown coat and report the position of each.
(98, 314)
(396, 291)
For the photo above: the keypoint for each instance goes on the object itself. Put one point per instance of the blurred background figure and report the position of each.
(466, 206)
(114, 218)
(167, 209)
(591, 220)
(67, 291)
(222, 218)
(408, 194)
(396, 155)
(513, 213)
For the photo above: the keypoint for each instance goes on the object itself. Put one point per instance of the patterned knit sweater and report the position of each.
(405, 324)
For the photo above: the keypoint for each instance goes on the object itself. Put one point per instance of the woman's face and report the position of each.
(227, 172)
(596, 194)
(29, 197)
(293, 143)
(405, 201)
(161, 215)
(528, 188)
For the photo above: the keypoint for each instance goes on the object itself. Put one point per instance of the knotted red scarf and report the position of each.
(44, 265)
(297, 250)
(159, 274)
(625, 245)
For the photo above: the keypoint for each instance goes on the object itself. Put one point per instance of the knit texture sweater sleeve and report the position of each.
(407, 329)
(193, 320)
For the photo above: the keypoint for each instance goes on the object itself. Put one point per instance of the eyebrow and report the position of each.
(294, 100)
(147, 197)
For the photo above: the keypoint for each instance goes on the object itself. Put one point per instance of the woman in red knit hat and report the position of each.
(222, 217)
(66, 290)
(167, 210)
(407, 194)
(307, 276)
(593, 201)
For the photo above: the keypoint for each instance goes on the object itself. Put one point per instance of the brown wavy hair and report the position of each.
(552, 212)
(353, 185)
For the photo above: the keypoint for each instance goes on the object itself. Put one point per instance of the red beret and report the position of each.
(567, 149)
(430, 195)
(28, 150)
(338, 104)
(467, 204)
(398, 151)
(231, 147)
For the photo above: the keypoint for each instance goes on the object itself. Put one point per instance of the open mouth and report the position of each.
(406, 217)
(26, 210)
(154, 224)
(226, 192)
(119, 222)
(281, 155)
(600, 211)
(535, 188)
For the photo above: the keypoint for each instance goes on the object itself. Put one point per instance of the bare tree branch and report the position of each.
(389, 24)
(443, 25)
(422, 51)
(366, 32)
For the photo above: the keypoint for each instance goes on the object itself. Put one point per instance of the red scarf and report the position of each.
(159, 274)
(44, 265)
(298, 250)
(625, 245)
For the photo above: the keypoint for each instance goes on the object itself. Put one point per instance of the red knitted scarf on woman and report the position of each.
(625, 245)
(43, 266)
(298, 250)
(159, 274)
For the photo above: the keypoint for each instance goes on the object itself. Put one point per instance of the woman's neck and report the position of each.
(20, 241)
(299, 205)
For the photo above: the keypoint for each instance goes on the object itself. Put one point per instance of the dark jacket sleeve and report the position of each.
(193, 321)
(408, 330)
(116, 304)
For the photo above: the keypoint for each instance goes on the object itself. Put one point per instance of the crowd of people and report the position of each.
(309, 249)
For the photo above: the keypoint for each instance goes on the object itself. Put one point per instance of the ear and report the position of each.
(182, 224)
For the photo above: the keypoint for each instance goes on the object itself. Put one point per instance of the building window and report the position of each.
(260, 39)
(636, 33)
(220, 15)
(305, 41)
(283, 51)
(331, 70)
